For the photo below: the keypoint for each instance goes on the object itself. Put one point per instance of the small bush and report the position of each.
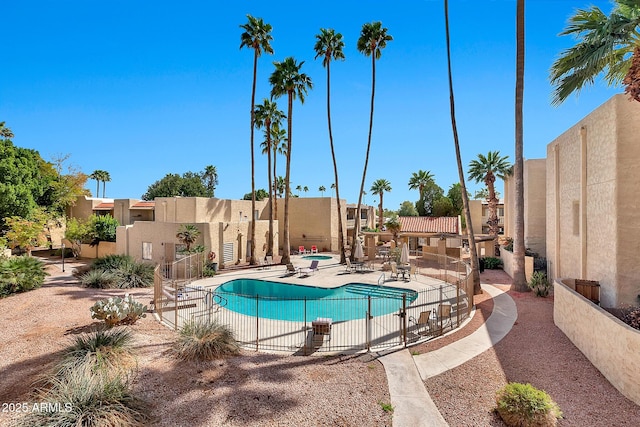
(523, 405)
(631, 316)
(112, 262)
(118, 311)
(98, 279)
(135, 275)
(105, 352)
(539, 284)
(78, 399)
(20, 274)
(205, 340)
(492, 263)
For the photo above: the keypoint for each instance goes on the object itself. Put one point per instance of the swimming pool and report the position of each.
(284, 301)
(318, 257)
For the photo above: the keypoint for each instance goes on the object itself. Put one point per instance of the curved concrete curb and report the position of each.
(405, 374)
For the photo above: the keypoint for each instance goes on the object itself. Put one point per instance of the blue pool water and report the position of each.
(284, 301)
(317, 257)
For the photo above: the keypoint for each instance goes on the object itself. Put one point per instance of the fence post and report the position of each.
(257, 323)
(368, 324)
(304, 328)
(403, 318)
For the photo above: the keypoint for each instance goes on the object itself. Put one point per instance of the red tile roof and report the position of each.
(104, 207)
(144, 204)
(426, 224)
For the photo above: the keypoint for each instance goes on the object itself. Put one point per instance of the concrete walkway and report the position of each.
(405, 373)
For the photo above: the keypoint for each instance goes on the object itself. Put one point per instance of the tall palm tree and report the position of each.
(256, 36)
(322, 189)
(329, 46)
(299, 189)
(475, 273)
(96, 174)
(519, 278)
(210, 178)
(106, 177)
(279, 146)
(373, 38)
(333, 186)
(419, 180)
(608, 45)
(265, 114)
(486, 169)
(188, 235)
(288, 80)
(379, 186)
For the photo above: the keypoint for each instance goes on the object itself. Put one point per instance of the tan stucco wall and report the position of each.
(507, 264)
(98, 251)
(614, 352)
(84, 206)
(475, 209)
(124, 212)
(593, 225)
(312, 221)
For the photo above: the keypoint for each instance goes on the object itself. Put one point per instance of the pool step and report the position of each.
(378, 292)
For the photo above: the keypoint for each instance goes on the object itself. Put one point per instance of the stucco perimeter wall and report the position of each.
(535, 204)
(628, 179)
(312, 221)
(507, 264)
(609, 344)
(475, 209)
(98, 251)
(581, 201)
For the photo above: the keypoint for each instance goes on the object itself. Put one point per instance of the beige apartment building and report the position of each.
(588, 219)
(479, 210)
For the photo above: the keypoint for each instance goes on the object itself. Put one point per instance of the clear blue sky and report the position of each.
(142, 88)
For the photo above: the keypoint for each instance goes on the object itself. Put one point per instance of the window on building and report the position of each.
(147, 250)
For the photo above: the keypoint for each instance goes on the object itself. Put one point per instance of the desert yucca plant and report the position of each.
(105, 352)
(98, 279)
(134, 275)
(112, 262)
(205, 340)
(523, 405)
(78, 399)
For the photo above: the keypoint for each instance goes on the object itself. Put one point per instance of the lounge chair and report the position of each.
(443, 316)
(394, 271)
(425, 321)
(311, 269)
(321, 327)
(413, 272)
(301, 250)
(291, 270)
(350, 267)
(314, 249)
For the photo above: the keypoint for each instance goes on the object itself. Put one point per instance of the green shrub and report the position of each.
(492, 263)
(523, 405)
(118, 311)
(20, 274)
(539, 284)
(98, 279)
(112, 262)
(105, 352)
(208, 271)
(205, 340)
(136, 275)
(78, 399)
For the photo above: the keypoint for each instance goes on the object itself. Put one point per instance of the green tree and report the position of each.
(475, 272)
(486, 169)
(329, 46)
(26, 233)
(419, 181)
(373, 38)
(288, 80)
(299, 189)
(100, 176)
(261, 194)
(443, 207)
(102, 228)
(76, 232)
(210, 179)
(190, 184)
(322, 189)
(96, 175)
(266, 114)
(455, 195)
(608, 45)
(380, 186)
(519, 251)
(279, 145)
(5, 132)
(188, 234)
(394, 226)
(305, 189)
(407, 209)
(256, 36)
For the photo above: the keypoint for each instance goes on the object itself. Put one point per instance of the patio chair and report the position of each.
(311, 269)
(394, 271)
(425, 321)
(291, 270)
(268, 263)
(443, 316)
(350, 267)
(413, 272)
(314, 249)
(322, 326)
(301, 250)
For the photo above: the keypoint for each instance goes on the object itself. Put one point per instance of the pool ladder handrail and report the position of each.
(381, 278)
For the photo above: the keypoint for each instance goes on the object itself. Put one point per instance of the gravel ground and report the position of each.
(256, 389)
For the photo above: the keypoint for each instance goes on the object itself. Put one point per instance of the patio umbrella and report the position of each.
(359, 253)
(404, 255)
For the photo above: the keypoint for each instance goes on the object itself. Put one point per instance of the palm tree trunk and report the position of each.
(97, 188)
(519, 279)
(463, 188)
(366, 159)
(489, 181)
(380, 219)
(335, 170)
(252, 259)
(275, 185)
(270, 238)
(286, 250)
